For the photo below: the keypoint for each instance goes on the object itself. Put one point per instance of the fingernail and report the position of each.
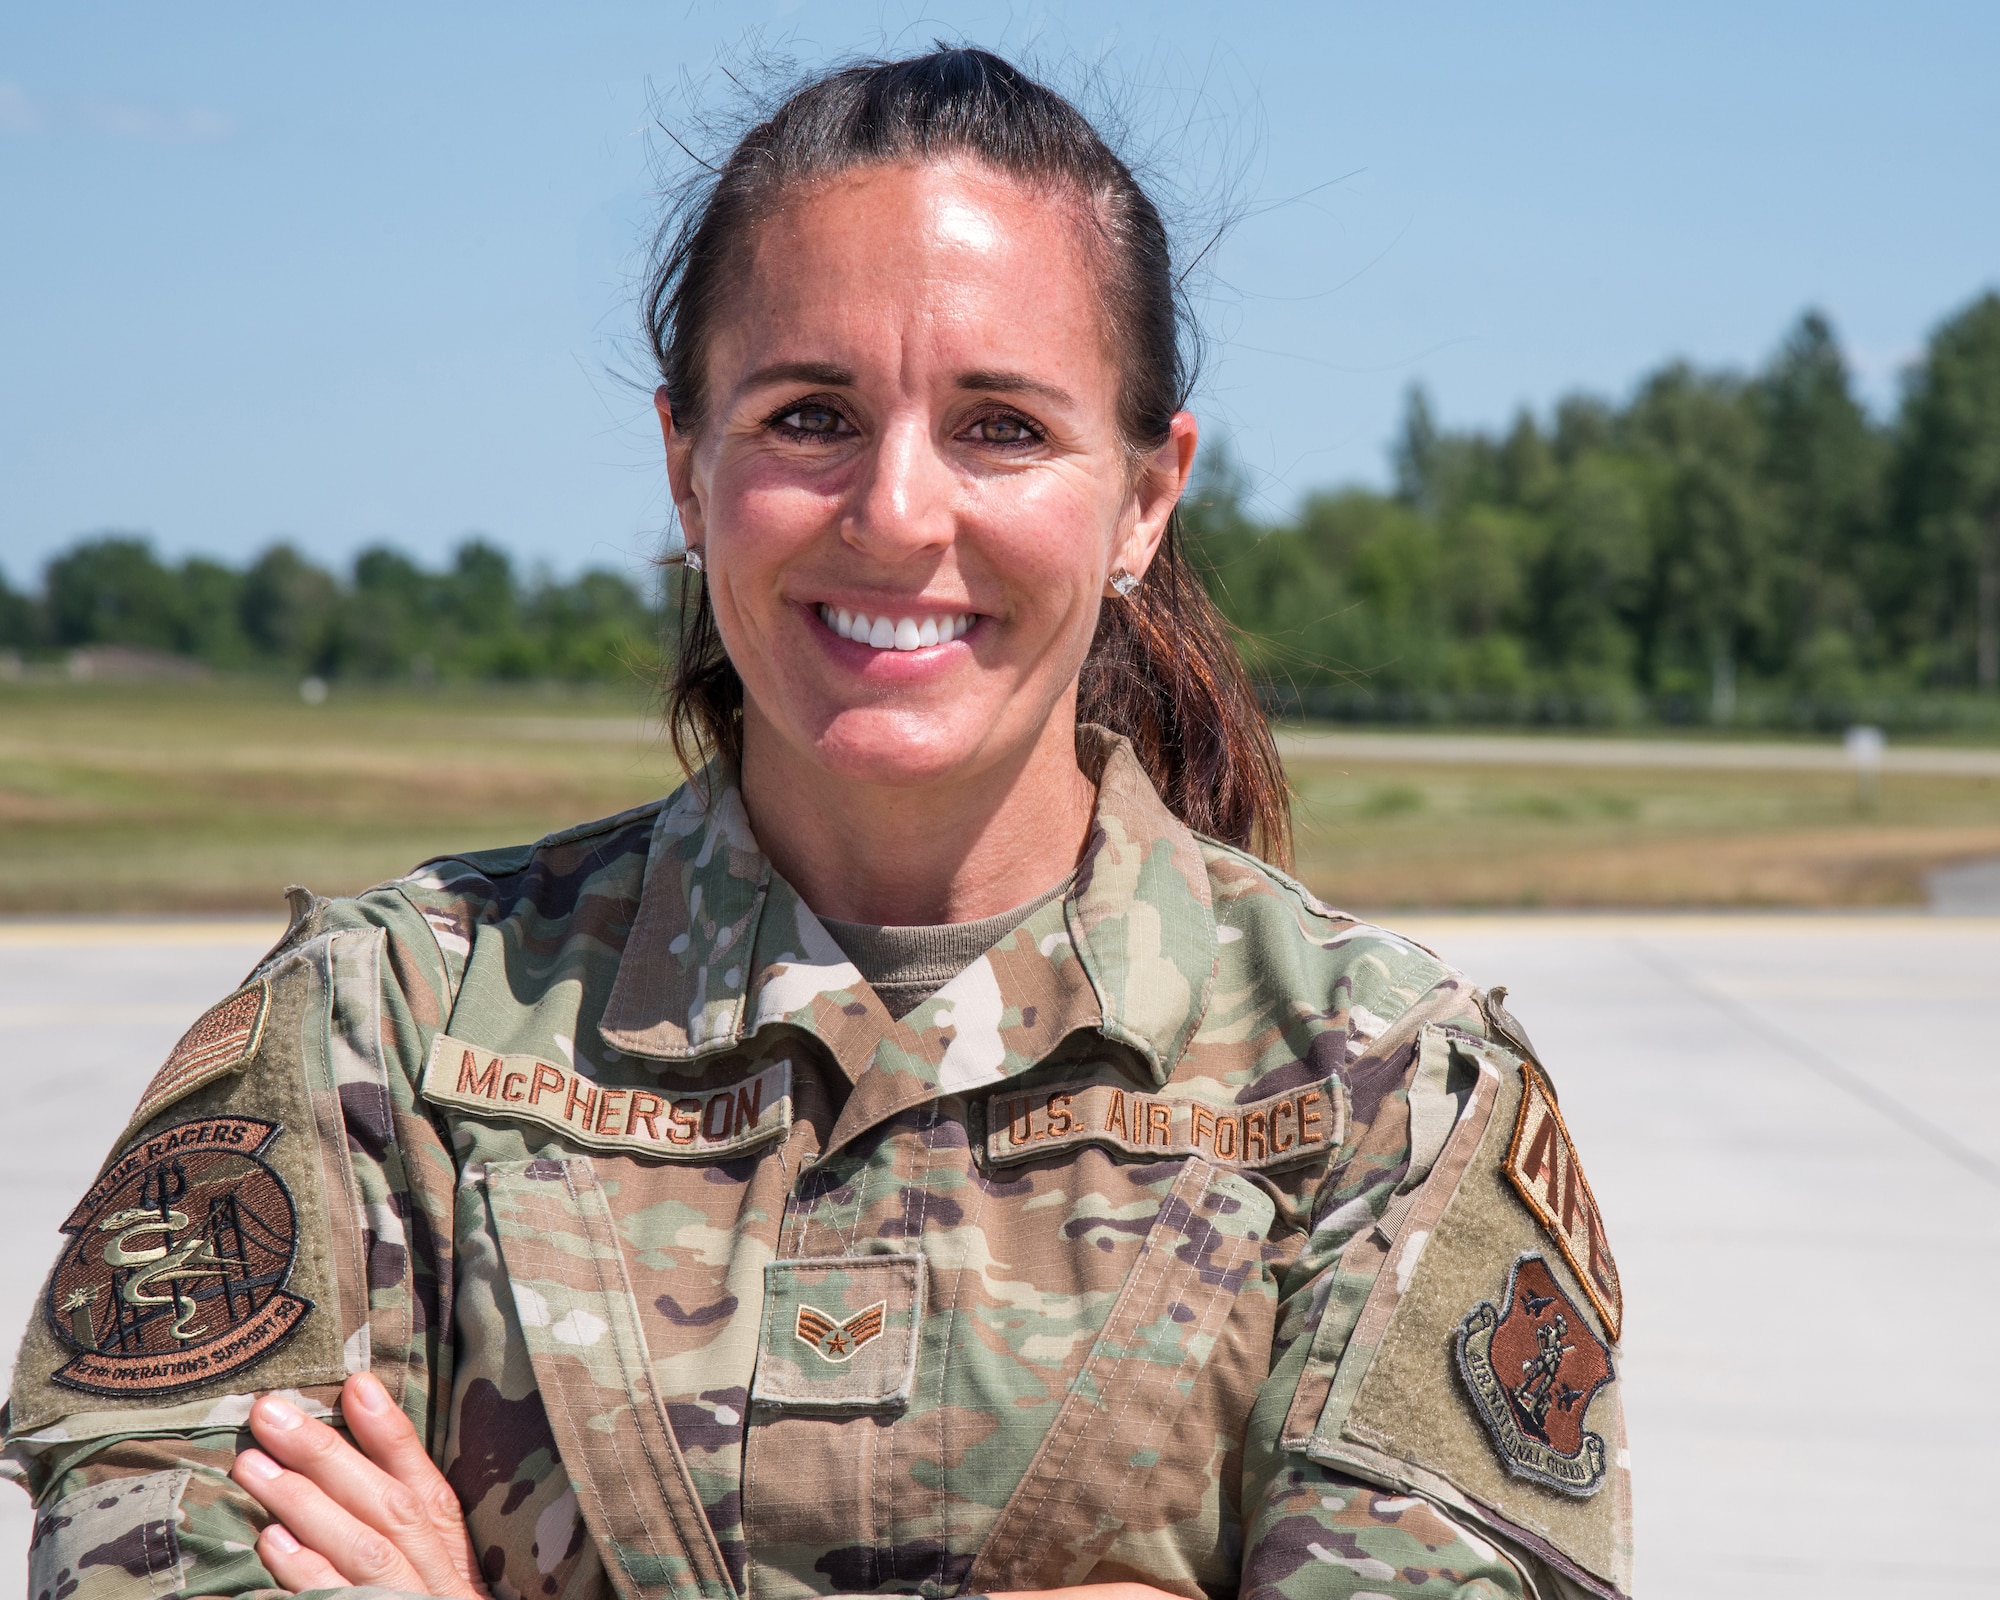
(366, 1391)
(281, 1539)
(258, 1465)
(278, 1414)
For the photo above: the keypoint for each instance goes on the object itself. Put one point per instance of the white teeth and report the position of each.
(895, 633)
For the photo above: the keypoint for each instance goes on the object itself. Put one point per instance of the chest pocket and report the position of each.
(894, 1484)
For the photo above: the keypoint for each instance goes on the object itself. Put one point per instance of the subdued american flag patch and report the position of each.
(222, 1039)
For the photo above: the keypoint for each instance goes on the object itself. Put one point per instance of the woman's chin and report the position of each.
(904, 749)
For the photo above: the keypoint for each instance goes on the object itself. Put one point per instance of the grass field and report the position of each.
(213, 797)
(1390, 836)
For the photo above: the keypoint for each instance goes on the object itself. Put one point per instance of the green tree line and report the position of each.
(387, 618)
(1714, 538)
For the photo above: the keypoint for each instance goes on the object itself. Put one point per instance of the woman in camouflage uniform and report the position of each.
(929, 1152)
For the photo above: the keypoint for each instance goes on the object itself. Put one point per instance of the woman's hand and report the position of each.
(384, 1517)
(1090, 1591)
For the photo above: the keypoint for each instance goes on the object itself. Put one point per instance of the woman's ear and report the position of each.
(680, 469)
(1156, 489)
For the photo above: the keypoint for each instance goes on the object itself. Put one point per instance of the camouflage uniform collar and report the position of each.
(721, 947)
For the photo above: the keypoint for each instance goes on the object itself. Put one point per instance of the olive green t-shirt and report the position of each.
(905, 966)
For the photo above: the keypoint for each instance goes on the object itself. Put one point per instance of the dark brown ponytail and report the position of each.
(1163, 669)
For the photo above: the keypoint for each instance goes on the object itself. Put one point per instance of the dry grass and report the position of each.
(1386, 836)
(212, 798)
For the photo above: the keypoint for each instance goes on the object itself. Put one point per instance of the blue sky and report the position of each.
(365, 273)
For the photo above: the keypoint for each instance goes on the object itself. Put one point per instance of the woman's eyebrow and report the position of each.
(824, 373)
(1014, 383)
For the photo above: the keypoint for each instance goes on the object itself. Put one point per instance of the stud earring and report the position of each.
(691, 559)
(1125, 583)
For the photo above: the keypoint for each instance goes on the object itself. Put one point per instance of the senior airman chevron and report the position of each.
(697, 1126)
(1269, 1132)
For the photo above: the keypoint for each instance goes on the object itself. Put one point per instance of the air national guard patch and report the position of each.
(1531, 1371)
(177, 1261)
(221, 1040)
(1542, 1165)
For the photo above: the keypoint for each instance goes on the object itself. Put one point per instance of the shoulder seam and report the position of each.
(1307, 900)
(527, 849)
(585, 830)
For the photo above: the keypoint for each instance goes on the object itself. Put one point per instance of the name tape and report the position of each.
(1021, 1126)
(695, 1126)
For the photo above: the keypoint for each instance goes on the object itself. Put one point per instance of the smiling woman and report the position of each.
(928, 1153)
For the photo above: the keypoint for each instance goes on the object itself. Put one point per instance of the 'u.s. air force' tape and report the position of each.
(1023, 1124)
(694, 1125)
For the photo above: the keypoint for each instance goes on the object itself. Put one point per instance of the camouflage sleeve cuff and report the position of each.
(1324, 1535)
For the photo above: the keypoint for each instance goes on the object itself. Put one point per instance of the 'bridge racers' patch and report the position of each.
(1532, 1370)
(177, 1262)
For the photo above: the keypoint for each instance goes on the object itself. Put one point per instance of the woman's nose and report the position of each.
(902, 504)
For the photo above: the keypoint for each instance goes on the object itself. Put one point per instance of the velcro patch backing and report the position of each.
(1542, 1166)
(631, 1121)
(1025, 1125)
(221, 1040)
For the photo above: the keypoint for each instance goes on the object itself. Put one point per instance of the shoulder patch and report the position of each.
(1541, 1164)
(1272, 1132)
(694, 1126)
(221, 1040)
(1531, 1371)
(177, 1261)
(1434, 1378)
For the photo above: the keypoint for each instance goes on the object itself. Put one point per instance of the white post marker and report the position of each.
(1865, 746)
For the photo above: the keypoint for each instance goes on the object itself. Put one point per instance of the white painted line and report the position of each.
(1845, 927)
(25, 935)
(92, 1015)
(1519, 750)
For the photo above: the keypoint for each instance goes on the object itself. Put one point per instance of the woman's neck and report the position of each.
(955, 850)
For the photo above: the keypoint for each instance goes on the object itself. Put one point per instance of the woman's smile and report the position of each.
(897, 630)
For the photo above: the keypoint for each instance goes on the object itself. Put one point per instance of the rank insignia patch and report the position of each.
(177, 1261)
(837, 1341)
(1531, 1371)
(1542, 1166)
(221, 1040)
(839, 1333)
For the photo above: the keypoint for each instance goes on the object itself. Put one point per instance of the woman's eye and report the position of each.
(820, 421)
(1002, 430)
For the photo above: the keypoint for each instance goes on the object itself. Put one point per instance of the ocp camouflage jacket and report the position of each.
(1196, 1234)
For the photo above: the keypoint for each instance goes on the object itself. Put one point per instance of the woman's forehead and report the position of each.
(953, 259)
